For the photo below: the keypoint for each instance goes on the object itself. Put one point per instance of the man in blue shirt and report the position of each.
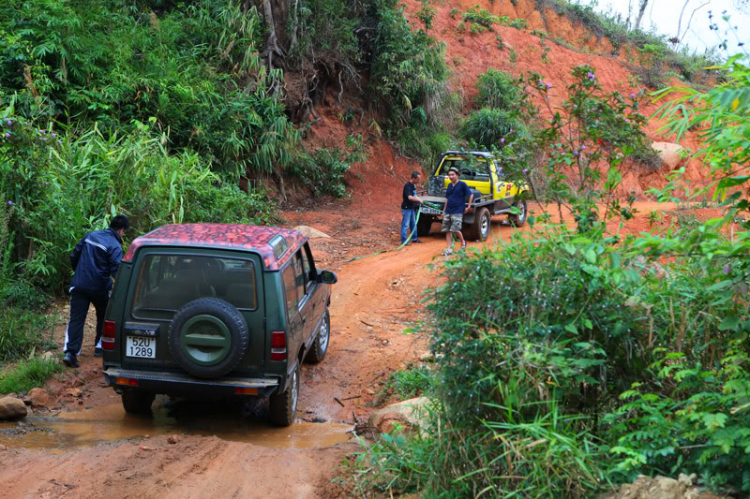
(95, 261)
(409, 204)
(454, 209)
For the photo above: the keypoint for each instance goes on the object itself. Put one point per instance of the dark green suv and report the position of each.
(215, 310)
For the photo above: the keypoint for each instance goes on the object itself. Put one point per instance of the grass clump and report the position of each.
(21, 333)
(407, 383)
(28, 374)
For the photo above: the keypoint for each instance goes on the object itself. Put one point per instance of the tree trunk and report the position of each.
(272, 46)
(276, 15)
(641, 11)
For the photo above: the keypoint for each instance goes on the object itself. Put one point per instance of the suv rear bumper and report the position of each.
(175, 383)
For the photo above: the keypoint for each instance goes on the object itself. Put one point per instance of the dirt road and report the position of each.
(92, 448)
(99, 450)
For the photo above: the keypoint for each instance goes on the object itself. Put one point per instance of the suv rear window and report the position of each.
(167, 282)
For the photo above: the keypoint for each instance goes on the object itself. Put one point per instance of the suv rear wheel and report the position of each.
(320, 345)
(208, 337)
(424, 225)
(137, 401)
(284, 404)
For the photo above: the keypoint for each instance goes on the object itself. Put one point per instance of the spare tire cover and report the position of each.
(208, 337)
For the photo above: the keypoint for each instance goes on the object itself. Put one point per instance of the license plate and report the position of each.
(143, 348)
(430, 211)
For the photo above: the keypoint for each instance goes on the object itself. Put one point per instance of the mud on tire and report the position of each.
(284, 405)
(208, 337)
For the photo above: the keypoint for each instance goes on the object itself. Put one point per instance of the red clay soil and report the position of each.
(376, 299)
(470, 55)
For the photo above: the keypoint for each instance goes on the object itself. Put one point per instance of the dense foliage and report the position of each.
(56, 188)
(574, 360)
(195, 69)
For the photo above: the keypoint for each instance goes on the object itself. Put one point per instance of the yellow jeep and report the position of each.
(493, 193)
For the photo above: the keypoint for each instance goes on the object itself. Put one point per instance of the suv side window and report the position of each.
(299, 274)
(307, 267)
(290, 291)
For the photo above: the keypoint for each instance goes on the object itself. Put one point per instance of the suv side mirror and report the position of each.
(327, 277)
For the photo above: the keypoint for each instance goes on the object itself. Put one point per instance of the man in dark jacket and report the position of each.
(95, 261)
(409, 204)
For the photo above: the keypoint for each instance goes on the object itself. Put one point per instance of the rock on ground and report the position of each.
(410, 413)
(40, 398)
(12, 408)
(662, 488)
(670, 153)
(311, 233)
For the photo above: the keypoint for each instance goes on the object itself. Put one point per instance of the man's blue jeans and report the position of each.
(408, 223)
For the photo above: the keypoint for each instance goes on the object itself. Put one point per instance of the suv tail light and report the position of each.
(108, 336)
(278, 345)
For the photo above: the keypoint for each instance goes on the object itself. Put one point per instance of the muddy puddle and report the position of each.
(111, 424)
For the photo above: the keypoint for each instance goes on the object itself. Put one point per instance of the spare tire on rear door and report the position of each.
(208, 337)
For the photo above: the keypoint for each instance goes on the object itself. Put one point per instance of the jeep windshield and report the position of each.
(167, 282)
(471, 167)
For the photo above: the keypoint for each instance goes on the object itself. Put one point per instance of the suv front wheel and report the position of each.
(284, 405)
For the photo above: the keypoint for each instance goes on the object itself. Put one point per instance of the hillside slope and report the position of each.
(517, 52)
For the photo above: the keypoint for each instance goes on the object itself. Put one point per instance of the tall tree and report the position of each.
(680, 32)
(641, 11)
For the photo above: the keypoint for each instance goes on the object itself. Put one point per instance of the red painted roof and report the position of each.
(224, 236)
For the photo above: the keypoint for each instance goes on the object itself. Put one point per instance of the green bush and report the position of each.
(498, 90)
(323, 171)
(28, 374)
(691, 418)
(22, 332)
(195, 67)
(408, 69)
(482, 17)
(487, 127)
(62, 186)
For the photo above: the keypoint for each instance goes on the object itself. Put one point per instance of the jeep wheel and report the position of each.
(517, 220)
(137, 401)
(208, 337)
(480, 229)
(424, 224)
(320, 345)
(284, 405)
